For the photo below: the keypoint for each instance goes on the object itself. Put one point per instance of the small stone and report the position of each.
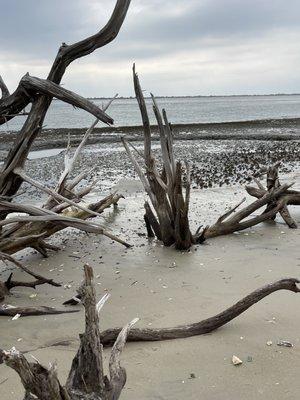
(236, 360)
(269, 343)
(192, 376)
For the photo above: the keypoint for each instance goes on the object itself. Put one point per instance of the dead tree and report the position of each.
(63, 207)
(167, 216)
(86, 379)
(40, 92)
(165, 187)
(205, 326)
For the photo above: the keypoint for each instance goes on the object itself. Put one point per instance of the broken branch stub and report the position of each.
(87, 380)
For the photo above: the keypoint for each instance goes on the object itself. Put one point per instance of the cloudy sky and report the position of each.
(181, 47)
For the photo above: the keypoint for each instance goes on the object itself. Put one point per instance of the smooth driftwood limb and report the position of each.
(206, 325)
(37, 86)
(31, 230)
(87, 379)
(167, 216)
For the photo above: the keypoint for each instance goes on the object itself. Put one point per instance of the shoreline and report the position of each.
(266, 129)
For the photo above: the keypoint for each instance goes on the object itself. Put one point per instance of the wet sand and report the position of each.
(165, 288)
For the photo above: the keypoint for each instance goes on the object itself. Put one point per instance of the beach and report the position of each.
(164, 287)
(161, 286)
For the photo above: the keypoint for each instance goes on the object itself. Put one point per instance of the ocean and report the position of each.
(180, 110)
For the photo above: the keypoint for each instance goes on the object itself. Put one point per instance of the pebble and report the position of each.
(236, 360)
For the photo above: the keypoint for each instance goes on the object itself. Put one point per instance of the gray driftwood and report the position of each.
(275, 198)
(87, 379)
(31, 231)
(63, 207)
(206, 325)
(167, 215)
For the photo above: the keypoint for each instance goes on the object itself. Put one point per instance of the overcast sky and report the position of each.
(180, 47)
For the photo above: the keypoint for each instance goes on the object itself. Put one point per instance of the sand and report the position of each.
(164, 287)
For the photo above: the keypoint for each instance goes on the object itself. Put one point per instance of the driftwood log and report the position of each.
(86, 380)
(207, 325)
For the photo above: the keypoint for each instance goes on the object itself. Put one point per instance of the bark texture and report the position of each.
(167, 215)
(87, 379)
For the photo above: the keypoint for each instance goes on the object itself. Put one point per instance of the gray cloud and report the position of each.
(180, 47)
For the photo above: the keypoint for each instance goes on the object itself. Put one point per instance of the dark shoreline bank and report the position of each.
(267, 129)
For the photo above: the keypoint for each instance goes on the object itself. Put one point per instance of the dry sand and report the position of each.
(164, 288)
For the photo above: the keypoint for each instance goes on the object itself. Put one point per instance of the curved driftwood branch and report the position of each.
(18, 100)
(37, 86)
(9, 182)
(207, 325)
(44, 86)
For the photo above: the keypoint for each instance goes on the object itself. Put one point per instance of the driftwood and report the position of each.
(288, 197)
(167, 216)
(275, 197)
(86, 379)
(5, 287)
(207, 325)
(233, 221)
(169, 221)
(11, 311)
(64, 207)
(40, 92)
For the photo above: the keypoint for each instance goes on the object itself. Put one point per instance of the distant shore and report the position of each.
(265, 129)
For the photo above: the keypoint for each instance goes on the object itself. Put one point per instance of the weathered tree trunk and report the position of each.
(31, 230)
(167, 218)
(87, 380)
(165, 188)
(207, 325)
